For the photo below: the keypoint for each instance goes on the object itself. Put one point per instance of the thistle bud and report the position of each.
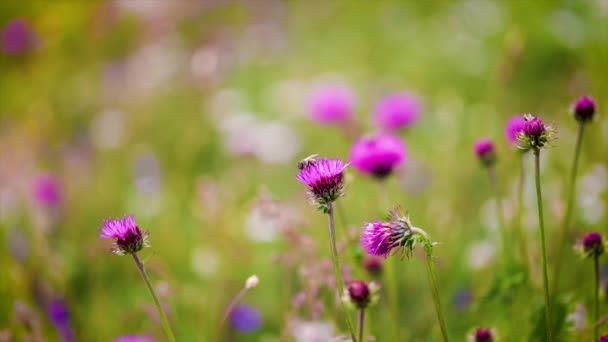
(360, 294)
(484, 148)
(584, 109)
(593, 244)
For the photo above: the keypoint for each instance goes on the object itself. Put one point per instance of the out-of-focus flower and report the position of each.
(245, 318)
(17, 37)
(311, 331)
(133, 338)
(584, 109)
(591, 245)
(482, 335)
(108, 129)
(484, 149)
(59, 315)
(462, 298)
(252, 282)
(204, 262)
(332, 104)
(325, 180)
(481, 254)
(397, 111)
(578, 318)
(514, 125)
(373, 264)
(47, 190)
(378, 154)
(360, 294)
(275, 142)
(18, 244)
(128, 238)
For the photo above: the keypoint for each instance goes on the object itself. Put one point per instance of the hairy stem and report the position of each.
(435, 292)
(336, 264)
(541, 223)
(161, 312)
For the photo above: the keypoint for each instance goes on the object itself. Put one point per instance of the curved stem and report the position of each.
(161, 312)
(563, 236)
(596, 300)
(499, 212)
(361, 323)
(336, 264)
(541, 223)
(435, 292)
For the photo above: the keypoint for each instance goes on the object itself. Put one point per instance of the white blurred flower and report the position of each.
(312, 331)
(252, 282)
(226, 101)
(566, 28)
(289, 97)
(239, 133)
(261, 227)
(205, 62)
(276, 143)
(481, 254)
(578, 318)
(204, 262)
(108, 129)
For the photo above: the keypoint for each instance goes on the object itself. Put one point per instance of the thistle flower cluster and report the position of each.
(535, 134)
(592, 245)
(397, 236)
(128, 237)
(359, 294)
(324, 178)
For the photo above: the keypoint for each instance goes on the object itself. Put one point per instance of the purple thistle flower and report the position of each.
(358, 293)
(324, 178)
(535, 133)
(46, 190)
(584, 109)
(483, 335)
(245, 318)
(331, 104)
(397, 111)
(59, 315)
(133, 338)
(17, 37)
(378, 155)
(128, 238)
(515, 124)
(603, 338)
(484, 148)
(380, 238)
(593, 244)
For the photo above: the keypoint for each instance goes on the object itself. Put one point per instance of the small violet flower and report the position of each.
(484, 149)
(378, 155)
(332, 104)
(397, 111)
(515, 124)
(324, 178)
(59, 315)
(128, 237)
(482, 335)
(47, 190)
(245, 318)
(17, 37)
(535, 134)
(584, 109)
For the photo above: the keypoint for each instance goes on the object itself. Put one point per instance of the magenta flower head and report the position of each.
(359, 294)
(47, 190)
(17, 37)
(382, 238)
(482, 335)
(397, 111)
(603, 338)
(133, 338)
(332, 104)
(378, 155)
(592, 245)
(324, 178)
(515, 124)
(535, 134)
(484, 149)
(245, 318)
(128, 238)
(584, 109)
(373, 264)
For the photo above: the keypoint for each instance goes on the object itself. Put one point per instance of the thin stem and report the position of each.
(563, 236)
(435, 292)
(231, 306)
(161, 312)
(596, 297)
(336, 263)
(523, 240)
(499, 212)
(361, 324)
(541, 223)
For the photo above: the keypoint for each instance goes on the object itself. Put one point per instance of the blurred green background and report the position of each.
(192, 115)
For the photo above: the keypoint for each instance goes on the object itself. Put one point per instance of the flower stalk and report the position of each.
(596, 296)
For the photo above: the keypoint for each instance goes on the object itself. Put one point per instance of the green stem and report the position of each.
(435, 292)
(541, 223)
(563, 236)
(523, 240)
(596, 297)
(499, 212)
(336, 264)
(361, 324)
(161, 312)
